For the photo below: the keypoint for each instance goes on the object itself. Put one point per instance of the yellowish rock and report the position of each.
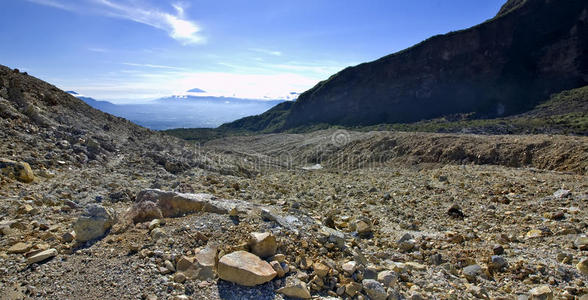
(295, 289)
(19, 247)
(535, 233)
(541, 293)
(20, 171)
(320, 269)
(263, 244)
(245, 268)
(582, 266)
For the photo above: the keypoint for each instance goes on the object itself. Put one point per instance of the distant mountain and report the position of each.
(502, 67)
(183, 111)
(196, 90)
(210, 99)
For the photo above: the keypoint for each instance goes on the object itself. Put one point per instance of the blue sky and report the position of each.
(128, 50)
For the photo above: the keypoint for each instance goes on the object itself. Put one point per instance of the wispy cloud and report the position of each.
(265, 51)
(99, 50)
(176, 24)
(153, 66)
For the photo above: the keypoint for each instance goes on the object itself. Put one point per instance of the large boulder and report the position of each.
(156, 204)
(20, 171)
(94, 223)
(245, 268)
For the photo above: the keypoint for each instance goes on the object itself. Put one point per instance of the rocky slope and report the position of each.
(94, 207)
(504, 66)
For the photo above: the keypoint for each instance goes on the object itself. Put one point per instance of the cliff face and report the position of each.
(531, 49)
(501, 67)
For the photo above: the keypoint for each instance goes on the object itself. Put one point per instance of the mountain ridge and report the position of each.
(502, 67)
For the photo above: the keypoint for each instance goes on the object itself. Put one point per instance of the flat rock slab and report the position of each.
(41, 256)
(245, 268)
(172, 204)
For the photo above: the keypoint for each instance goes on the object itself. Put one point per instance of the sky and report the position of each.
(133, 50)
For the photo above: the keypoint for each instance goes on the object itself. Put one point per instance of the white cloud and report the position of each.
(176, 25)
(265, 51)
(152, 66)
(99, 50)
(150, 85)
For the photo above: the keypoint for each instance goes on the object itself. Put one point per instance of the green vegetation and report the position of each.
(563, 113)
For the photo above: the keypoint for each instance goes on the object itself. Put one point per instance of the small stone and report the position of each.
(472, 272)
(320, 269)
(498, 250)
(263, 244)
(157, 234)
(279, 258)
(68, 236)
(335, 236)
(278, 268)
(19, 247)
(374, 289)
(179, 277)
(387, 278)
(534, 233)
(455, 212)
(560, 215)
(363, 228)
(205, 261)
(154, 224)
(349, 267)
(561, 193)
(305, 263)
(581, 243)
(436, 259)
(415, 266)
(168, 265)
(582, 266)
(541, 293)
(245, 268)
(41, 256)
(498, 262)
(352, 288)
(295, 289)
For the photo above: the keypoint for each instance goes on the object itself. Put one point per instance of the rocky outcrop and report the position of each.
(154, 204)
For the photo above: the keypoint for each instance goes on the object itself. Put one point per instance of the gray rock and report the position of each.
(498, 262)
(374, 289)
(561, 193)
(94, 223)
(472, 272)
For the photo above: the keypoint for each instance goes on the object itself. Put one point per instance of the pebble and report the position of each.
(498, 250)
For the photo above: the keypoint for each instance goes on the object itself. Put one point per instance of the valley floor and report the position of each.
(451, 216)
